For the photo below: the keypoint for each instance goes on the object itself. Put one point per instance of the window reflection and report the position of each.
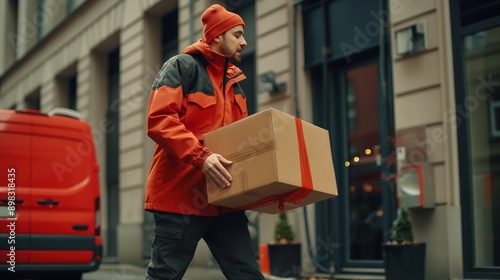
(482, 55)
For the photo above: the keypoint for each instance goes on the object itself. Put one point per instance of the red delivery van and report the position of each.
(49, 196)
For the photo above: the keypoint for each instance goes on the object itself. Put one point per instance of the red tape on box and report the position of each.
(297, 196)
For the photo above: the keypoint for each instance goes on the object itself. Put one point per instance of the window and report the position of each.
(112, 164)
(170, 34)
(494, 104)
(341, 27)
(246, 10)
(476, 37)
(72, 5)
(482, 67)
(32, 101)
(72, 97)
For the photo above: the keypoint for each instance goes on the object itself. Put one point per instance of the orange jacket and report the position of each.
(187, 100)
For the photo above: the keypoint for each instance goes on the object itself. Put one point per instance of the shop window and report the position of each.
(482, 105)
(476, 36)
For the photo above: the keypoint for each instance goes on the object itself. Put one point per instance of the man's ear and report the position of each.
(217, 39)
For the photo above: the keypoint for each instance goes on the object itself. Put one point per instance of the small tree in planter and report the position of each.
(284, 251)
(402, 230)
(283, 232)
(403, 258)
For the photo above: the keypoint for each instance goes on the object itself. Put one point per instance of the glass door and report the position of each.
(358, 120)
(357, 99)
(352, 98)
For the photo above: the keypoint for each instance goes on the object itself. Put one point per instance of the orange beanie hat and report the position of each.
(217, 20)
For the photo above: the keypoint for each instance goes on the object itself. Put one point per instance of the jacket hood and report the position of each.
(215, 59)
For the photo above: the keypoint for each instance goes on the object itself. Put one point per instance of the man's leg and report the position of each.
(174, 244)
(229, 241)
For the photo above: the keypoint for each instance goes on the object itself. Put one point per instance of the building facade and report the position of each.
(409, 91)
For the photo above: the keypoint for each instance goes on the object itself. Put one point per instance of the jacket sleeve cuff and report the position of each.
(201, 157)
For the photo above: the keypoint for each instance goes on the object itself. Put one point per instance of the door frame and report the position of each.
(335, 210)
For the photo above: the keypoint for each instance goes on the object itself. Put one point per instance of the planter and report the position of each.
(404, 261)
(285, 260)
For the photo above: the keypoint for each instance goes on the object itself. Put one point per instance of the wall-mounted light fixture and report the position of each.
(411, 39)
(268, 83)
(416, 186)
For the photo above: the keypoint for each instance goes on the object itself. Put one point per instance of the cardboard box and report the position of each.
(278, 160)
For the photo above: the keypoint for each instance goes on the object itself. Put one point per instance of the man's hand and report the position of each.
(215, 167)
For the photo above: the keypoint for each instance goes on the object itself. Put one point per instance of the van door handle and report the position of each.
(48, 202)
(80, 227)
(16, 201)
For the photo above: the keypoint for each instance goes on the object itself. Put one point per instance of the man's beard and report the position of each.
(225, 50)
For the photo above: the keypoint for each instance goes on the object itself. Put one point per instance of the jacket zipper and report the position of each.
(224, 81)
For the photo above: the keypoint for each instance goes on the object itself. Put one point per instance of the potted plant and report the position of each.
(284, 251)
(403, 257)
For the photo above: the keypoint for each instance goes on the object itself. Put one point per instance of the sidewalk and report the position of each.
(109, 271)
(132, 272)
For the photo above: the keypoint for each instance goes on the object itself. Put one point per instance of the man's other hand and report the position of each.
(215, 167)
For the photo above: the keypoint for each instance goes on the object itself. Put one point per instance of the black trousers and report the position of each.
(176, 237)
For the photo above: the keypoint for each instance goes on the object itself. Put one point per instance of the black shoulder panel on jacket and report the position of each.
(187, 71)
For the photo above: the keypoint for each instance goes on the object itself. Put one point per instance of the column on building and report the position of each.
(134, 93)
(421, 100)
(8, 31)
(27, 23)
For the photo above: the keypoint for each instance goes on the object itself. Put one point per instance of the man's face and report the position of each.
(233, 43)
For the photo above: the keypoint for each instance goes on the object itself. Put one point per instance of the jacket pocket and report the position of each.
(200, 112)
(241, 110)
